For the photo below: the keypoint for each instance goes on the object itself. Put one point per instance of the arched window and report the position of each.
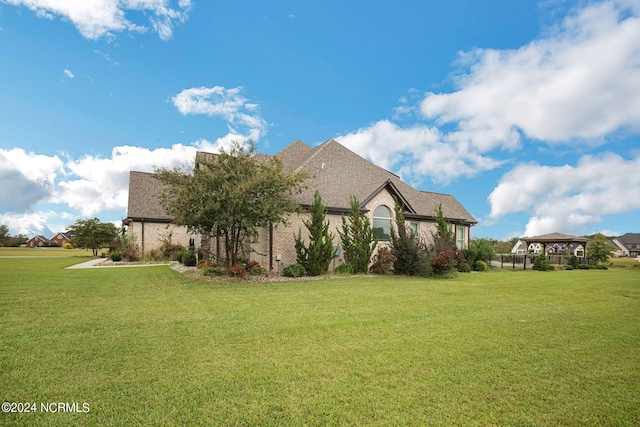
(382, 223)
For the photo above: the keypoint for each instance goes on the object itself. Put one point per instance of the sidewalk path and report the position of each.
(93, 264)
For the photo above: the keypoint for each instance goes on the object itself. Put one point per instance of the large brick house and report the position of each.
(337, 173)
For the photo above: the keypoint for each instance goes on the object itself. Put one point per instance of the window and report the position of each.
(382, 223)
(460, 237)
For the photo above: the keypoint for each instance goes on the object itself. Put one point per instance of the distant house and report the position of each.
(551, 244)
(37, 241)
(628, 245)
(60, 239)
(337, 173)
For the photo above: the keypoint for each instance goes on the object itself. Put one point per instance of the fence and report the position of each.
(526, 261)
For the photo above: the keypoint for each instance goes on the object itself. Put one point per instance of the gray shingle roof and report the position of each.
(338, 173)
(630, 239)
(144, 197)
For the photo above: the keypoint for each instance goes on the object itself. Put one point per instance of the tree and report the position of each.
(317, 256)
(443, 238)
(4, 234)
(92, 234)
(231, 195)
(410, 252)
(599, 249)
(357, 238)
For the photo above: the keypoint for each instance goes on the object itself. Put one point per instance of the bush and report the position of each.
(131, 252)
(541, 263)
(189, 259)
(573, 261)
(67, 246)
(115, 255)
(585, 267)
(464, 268)
(180, 253)
(442, 262)
(203, 263)
(601, 267)
(294, 270)
(382, 261)
(481, 266)
(212, 271)
(238, 271)
(344, 269)
(254, 268)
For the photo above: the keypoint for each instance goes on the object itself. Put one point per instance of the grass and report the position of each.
(44, 252)
(148, 346)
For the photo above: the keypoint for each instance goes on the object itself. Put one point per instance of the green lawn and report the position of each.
(145, 346)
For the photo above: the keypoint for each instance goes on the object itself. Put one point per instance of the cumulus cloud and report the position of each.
(103, 18)
(416, 152)
(568, 198)
(577, 84)
(218, 101)
(29, 224)
(26, 178)
(93, 183)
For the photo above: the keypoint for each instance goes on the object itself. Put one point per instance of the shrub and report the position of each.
(441, 262)
(67, 246)
(601, 267)
(115, 255)
(569, 268)
(383, 261)
(131, 252)
(464, 268)
(254, 268)
(344, 269)
(294, 270)
(189, 259)
(238, 271)
(541, 263)
(573, 261)
(481, 266)
(180, 253)
(585, 267)
(212, 271)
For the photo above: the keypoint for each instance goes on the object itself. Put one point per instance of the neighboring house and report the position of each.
(60, 239)
(628, 245)
(337, 173)
(520, 248)
(37, 241)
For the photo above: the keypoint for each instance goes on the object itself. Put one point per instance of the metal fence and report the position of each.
(525, 262)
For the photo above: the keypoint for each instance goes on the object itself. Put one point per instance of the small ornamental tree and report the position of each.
(357, 238)
(231, 195)
(447, 256)
(92, 234)
(316, 257)
(599, 249)
(411, 255)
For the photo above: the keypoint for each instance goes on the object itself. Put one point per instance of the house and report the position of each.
(60, 239)
(628, 245)
(37, 241)
(337, 173)
(551, 244)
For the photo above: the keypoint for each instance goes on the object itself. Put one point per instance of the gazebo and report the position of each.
(559, 238)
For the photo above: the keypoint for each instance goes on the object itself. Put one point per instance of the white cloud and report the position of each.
(69, 74)
(579, 83)
(416, 152)
(228, 104)
(29, 224)
(103, 18)
(568, 199)
(26, 178)
(94, 184)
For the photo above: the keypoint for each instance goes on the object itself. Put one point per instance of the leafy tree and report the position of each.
(4, 234)
(599, 249)
(92, 234)
(317, 256)
(231, 195)
(358, 242)
(503, 247)
(411, 254)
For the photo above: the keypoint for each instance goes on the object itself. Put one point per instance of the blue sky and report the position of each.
(528, 112)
